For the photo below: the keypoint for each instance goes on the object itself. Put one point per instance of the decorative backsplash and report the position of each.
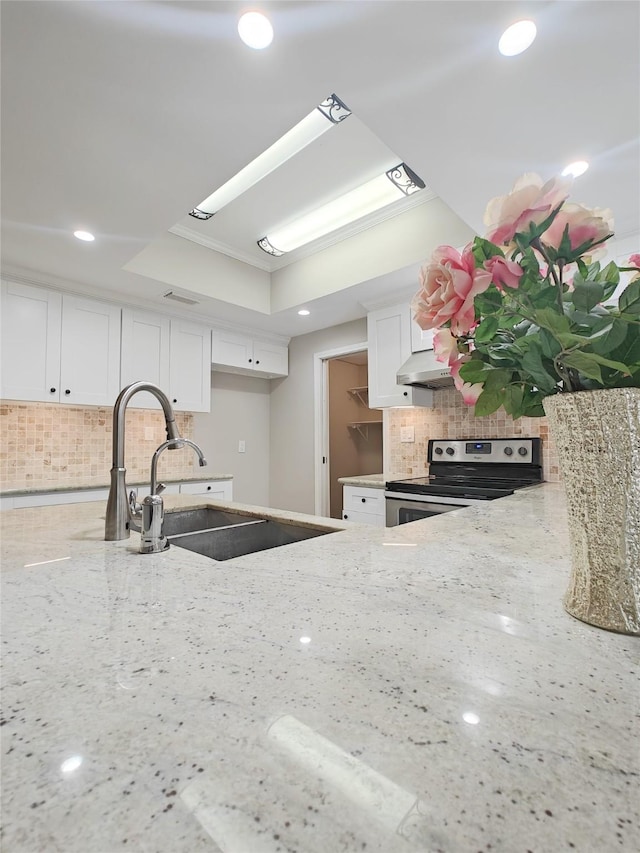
(451, 418)
(45, 445)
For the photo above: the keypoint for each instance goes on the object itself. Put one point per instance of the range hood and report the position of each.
(422, 369)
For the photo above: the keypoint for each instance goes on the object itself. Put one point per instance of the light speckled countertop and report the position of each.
(418, 688)
(192, 477)
(373, 481)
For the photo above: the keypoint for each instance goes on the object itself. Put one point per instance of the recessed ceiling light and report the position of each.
(517, 38)
(255, 30)
(575, 169)
(303, 312)
(84, 235)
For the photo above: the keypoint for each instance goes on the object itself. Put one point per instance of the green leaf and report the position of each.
(629, 301)
(496, 379)
(489, 302)
(474, 371)
(611, 337)
(584, 363)
(587, 295)
(549, 319)
(513, 400)
(488, 402)
(486, 329)
(550, 345)
(483, 250)
(533, 365)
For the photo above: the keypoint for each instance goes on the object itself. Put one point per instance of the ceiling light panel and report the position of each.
(517, 38)
(393, 185)
(326, 115)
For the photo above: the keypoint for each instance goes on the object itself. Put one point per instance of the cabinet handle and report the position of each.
(67, 391)
(53, 390)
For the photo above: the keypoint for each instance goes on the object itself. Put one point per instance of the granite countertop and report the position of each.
(103, 483)
(372, 481)
(418, 688)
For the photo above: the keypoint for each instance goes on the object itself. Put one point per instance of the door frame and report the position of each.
(321, 420)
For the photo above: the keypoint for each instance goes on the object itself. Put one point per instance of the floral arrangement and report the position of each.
(526, 312)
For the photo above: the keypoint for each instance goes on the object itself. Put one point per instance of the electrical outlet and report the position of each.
(241, 447)
(407, 434)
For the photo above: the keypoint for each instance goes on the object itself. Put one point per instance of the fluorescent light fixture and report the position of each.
(303, 312)
(255, 30)
(393, 185)
(84, 235)
(517, 38)
(325, 116)
(579, 167)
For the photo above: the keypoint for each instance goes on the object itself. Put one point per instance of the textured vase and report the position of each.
(597, 434)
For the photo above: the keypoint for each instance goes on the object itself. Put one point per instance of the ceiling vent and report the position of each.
(178, 297)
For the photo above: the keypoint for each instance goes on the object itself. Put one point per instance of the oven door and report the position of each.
(401, 508)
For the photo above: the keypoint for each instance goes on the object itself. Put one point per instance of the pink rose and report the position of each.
(586, 227)
(529, 202)
(449, 283)
(634, 261)
(504, 272)
(470, 393)
(445, 346)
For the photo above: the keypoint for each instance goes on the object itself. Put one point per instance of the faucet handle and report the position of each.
(134, 506)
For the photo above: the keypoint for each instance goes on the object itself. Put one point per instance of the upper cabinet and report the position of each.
(421, 339)
(389, 345)
(232, 352)
(173, 354)
(58, 348)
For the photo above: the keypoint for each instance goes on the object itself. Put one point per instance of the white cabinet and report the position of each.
(389, 346)
(145, 354)
(363, 505)
(421, 339)
(58, 348)
(190, 366)
(221, 490)
(232, 352)
(173, 354)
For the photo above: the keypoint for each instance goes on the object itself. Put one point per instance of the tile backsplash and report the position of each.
(47, 445)
(451, 418)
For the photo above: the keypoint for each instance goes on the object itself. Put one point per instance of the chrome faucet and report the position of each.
(118, 508)
(152, 538)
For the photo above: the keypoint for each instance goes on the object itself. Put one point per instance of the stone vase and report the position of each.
(597, 434)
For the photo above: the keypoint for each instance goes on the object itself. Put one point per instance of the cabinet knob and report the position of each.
(208, 488)
(364, 500)
(52, 390)
(67, 391)
(250, 360)
(175, 401)
(257, 361)
(345, 516)
(405, 393)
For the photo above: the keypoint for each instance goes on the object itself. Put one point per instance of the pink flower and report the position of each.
(470, 393)
(529, 202)
(586, 227)
(634, 261)
(445, 346)
(449, 283)
(504, 272)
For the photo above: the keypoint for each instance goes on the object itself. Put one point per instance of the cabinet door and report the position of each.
(421, 339)
(389, 343)
(31, 318)
(145, 354)
(271, 359)
(90, 354)
(229, 349)
(221, 490)
(190, 367)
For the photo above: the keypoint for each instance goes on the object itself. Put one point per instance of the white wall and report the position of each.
(239, 411)
(292, 417)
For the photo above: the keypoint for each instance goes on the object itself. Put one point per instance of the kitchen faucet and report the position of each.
(152, 538)
(118, 509)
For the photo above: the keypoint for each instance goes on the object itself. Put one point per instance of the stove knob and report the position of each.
(438, 450)
(522, 451)
(508, 451)
(450, 451)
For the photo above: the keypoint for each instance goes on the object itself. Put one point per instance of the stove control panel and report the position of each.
(491, 450)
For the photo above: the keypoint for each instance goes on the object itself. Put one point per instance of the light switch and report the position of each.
(407, 434)
(241, 447)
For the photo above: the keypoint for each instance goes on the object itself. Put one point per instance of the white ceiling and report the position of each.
(119, 117)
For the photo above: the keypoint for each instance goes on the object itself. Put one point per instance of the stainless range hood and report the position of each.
(422, 369)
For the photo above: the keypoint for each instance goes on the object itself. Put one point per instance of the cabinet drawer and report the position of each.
(220, 489)
(363, 500)
(363, 517)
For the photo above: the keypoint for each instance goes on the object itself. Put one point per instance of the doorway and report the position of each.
(349, 433)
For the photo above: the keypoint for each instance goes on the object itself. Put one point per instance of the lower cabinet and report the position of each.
(221, 490)
(363, 505)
